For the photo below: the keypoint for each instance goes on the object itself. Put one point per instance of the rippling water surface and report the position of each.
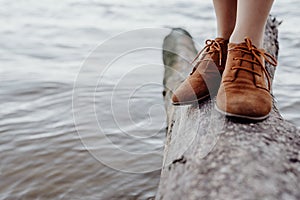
(115, 150)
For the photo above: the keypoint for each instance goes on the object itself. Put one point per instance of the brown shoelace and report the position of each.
(208, 44)
(252, 50)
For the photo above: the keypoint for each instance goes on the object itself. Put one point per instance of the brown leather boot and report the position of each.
(206, 75)
(245, 88)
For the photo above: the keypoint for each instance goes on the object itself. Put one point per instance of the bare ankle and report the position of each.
(239, 38)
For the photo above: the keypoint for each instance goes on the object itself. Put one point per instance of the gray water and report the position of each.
(103, 139)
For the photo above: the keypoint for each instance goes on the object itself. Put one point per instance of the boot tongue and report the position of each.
(216, 56)
(243, 75)
(220, 39)
(233, 45)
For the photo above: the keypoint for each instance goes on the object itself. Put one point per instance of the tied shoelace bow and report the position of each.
(252, 50)
(208, 44)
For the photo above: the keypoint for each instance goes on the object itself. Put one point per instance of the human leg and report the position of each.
(251, 20)
(225, 11)
(205, 78)
(245, 87)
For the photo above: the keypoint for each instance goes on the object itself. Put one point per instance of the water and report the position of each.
(44, 43)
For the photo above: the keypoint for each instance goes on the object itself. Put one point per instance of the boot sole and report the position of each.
(190, 102)
(240, 116)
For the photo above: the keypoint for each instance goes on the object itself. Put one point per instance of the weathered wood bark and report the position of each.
(208, 156)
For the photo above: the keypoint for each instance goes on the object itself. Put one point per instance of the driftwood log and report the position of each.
(208, 156)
